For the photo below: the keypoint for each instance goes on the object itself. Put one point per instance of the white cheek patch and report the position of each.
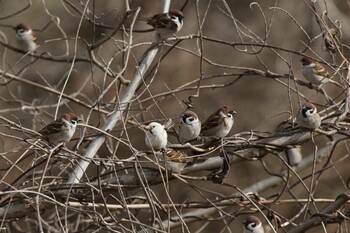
(309, 112)
(189, 120)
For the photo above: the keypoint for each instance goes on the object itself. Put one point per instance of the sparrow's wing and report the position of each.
(52, 128)
(212, 121)
(178, 156)
(320, 70)
(159, 20)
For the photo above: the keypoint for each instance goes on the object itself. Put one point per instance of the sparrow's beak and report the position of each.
(234, 112)
(147, 128)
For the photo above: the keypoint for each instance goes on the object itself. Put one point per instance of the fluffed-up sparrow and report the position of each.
(315, 73)
(25, 37)
(190, 126)
(60, 130)
(252, 224)
(156, 136)
(219, 123)
(166, 24)
(308, 117)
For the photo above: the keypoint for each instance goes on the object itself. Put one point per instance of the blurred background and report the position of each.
(65, 29)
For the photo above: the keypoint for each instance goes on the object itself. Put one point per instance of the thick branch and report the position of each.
(118, 111)
(319, 218)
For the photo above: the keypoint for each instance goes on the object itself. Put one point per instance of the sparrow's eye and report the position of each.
(229, 115)
(190, 119)
(21, 30)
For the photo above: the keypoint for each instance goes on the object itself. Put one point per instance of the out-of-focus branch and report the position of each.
(317, 219)
(46, 56)
(192, 205)
(115, 30)
(12, 77)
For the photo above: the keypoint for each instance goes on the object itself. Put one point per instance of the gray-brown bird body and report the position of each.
(308, 117)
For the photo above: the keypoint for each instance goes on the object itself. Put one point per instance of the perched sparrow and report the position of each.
(156, 136)
(315, 73)
(252, 224)
(308, 117)
(166, 24)
(219, 123)
(190, 126)
(176, 160)
(25, 37)
(331, 39)
(61, 130)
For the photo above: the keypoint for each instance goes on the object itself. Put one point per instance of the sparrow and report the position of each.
(156, 136)
(176, 160)
(219, 123)
(190, 126)
(166, 24)
(307, 116)
(315, 73)
(331, 39)
(25, 37)
(60, 130)
(252, 224)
